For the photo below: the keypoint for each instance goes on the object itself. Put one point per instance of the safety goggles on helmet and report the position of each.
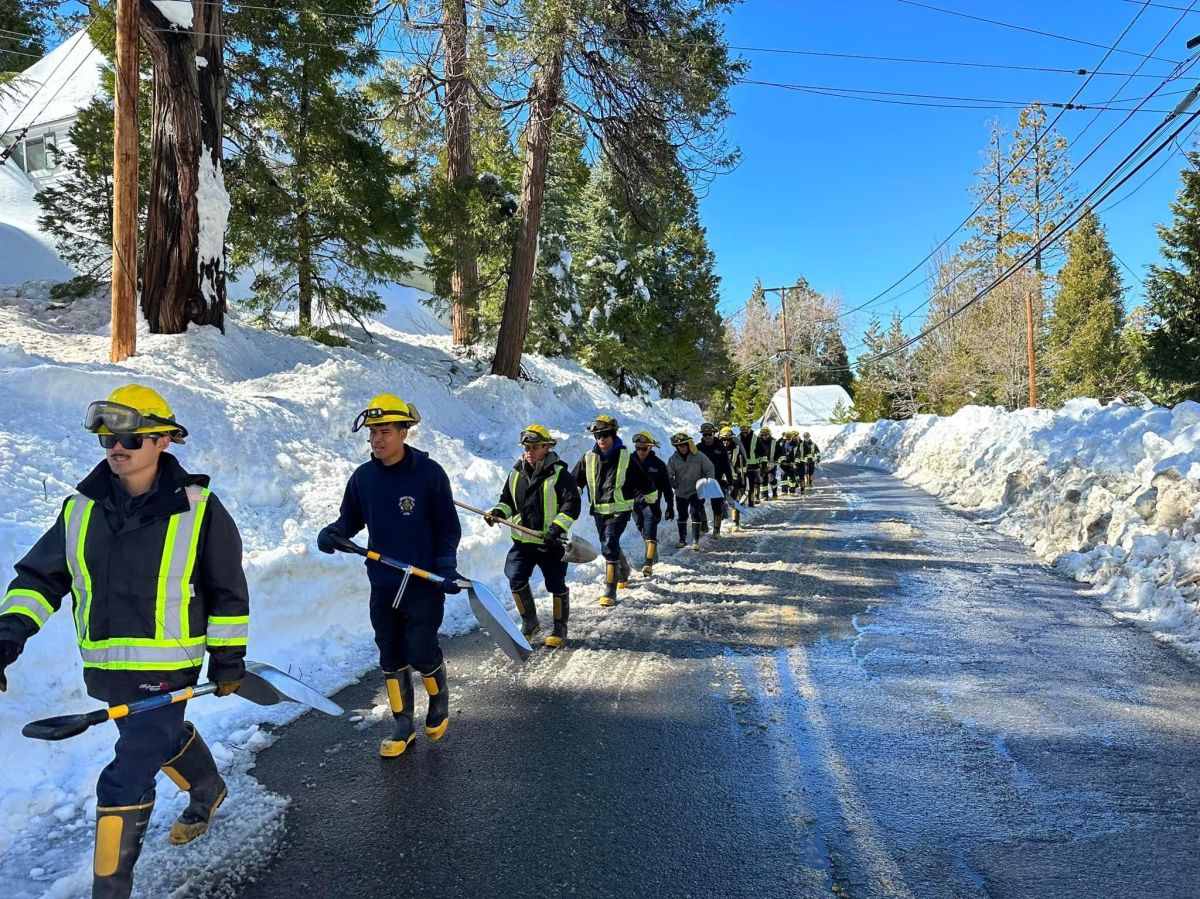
(368, 417)
(680, 439)
(121, 419)
(530, 437)
(127, 441)
(708, 428)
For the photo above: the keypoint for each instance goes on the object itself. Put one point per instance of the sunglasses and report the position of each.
(127, 441)
(604, 435)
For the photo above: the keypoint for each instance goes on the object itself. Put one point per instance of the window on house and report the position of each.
(38, 156)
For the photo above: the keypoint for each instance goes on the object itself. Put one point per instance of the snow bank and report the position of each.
(270, 418)
(26, 252)
(1108, 495)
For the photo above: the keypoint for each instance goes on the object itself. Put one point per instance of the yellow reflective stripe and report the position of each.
(16, 603)
(164, 579)
(76, 525)
(651, 497)
(564, 521)
(199, 507)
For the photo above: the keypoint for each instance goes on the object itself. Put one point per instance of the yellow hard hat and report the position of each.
(644, 438)
(385, 408)
(725, 432)
(536, 435)
(603, 423)
(133, 409)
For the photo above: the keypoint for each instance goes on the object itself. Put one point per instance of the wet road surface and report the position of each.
(863, 695)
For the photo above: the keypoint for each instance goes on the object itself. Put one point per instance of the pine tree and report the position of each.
(1085, 353)
(22, 39)
(318, 204)
(1172, 360)
(834, 362)
(1040, 169)
(994, 238)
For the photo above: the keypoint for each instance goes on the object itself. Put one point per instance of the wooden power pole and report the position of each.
(787, 354)
(1029, 346)
(125, 185)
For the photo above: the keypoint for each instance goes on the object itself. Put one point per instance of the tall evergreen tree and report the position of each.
(1085, 352)
(1040, 169)
(834, 362)
(993, 238)
(1172, 360)
(318, 203)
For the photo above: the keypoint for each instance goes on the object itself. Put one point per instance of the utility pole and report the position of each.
(787, 354)
(1029, 346)
(125, 185)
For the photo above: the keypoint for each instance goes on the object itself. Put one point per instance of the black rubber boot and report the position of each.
(682, 534)
(624, 569)
(437, 719)
(562, 611)
(651, 556)
(194, 770)
(609, 597)
(717, 519)
(400, 700)
(737, 521)
(119, 834)
(528, 609)
(695, 537)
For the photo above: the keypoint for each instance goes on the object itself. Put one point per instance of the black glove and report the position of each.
(450, 583)
(9, 650)
(490, 518)
(325, 537)
(554, 534)
(669, 512)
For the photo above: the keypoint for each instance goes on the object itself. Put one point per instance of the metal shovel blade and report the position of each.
(494, 620)
(733, 502)
(579, 551)
(267, 685)
(708, 488)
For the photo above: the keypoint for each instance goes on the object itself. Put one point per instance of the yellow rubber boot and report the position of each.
(562, 611)
(609, 597)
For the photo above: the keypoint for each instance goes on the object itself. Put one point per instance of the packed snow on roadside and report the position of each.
(1109, 495)
(270, 419)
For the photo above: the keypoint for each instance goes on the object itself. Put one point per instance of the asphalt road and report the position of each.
(863, 695)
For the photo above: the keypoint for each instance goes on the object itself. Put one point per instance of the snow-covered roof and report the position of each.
(55, 87)
(810, 405)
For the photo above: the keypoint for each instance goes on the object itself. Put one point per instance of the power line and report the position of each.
(1061, 37)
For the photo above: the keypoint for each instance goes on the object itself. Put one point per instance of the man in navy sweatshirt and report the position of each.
(403, 498)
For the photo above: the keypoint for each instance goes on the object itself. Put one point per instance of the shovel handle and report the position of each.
(349, 546)
(64, 726)
(504, 521)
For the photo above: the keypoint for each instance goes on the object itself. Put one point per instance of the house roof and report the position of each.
(810, 405)
(55, 87)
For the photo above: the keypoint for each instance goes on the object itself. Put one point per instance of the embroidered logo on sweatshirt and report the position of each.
(407, 504)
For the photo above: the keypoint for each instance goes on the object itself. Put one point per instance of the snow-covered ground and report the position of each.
(1109, 495)
(270, 420)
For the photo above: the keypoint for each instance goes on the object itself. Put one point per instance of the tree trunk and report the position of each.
(178, 287)
(460, 169)
(544, 98)
(304, 247)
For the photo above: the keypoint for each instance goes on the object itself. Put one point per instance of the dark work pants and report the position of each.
(647, 516)
(145, 742)
(408, 635)
(609, 528)
(524, 557)
(688, 507)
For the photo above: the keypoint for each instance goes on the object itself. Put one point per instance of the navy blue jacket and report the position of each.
(409, 510)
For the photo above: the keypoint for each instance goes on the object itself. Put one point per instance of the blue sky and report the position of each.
(851, 194)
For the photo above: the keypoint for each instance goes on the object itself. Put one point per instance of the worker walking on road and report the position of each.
(686, 466)
(722, 468)
(646, 511)
(737, 464)
(613, 485)
(404, 500)
(154, 562)
(810, 453)
(539, 494)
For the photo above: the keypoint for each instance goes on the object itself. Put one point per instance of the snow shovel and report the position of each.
(488, 612)
(578, 551)
(733, 502)
(262, 685)
(708, 488)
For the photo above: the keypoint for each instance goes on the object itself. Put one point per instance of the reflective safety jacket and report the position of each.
(539, 497)
(152, 589)
(719, 458)
(612, 482)
(656, 470)
(808, 451)
(762, 450)
(737, 457)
